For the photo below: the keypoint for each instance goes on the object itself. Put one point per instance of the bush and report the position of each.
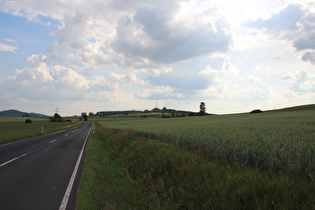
(56, 119)
(28, 121)
(256, 111)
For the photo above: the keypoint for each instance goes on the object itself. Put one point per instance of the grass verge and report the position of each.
(104, 184)
(123, 171)
(17, 129)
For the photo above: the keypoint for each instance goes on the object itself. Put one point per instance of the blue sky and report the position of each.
(97, 55)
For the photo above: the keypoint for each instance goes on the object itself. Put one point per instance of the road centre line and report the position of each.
(3, 164)
(34, 149)
(53, 141)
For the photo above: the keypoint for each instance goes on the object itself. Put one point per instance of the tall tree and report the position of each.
(202, 109)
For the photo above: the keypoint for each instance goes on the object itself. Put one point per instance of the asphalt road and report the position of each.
(40, 173)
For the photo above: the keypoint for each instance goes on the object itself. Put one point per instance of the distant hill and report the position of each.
(296, 108)
(172, 112)
(16, 113)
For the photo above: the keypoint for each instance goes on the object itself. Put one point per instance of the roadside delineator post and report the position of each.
(42, 129)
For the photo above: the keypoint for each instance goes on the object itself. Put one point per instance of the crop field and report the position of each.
(15, 128)
(279, 141)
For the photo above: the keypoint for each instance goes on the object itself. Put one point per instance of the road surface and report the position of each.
(43, 172)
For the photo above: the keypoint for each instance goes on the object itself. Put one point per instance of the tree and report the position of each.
(84, 116)
(56, 115)
(56, 118)
(202, 109)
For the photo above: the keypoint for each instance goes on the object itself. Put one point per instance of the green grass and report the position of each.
(281, 141)
(15, 128)
(104, 183)
(149, 174)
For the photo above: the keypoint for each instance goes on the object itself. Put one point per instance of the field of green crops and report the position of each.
(15, 128)
(280, 141)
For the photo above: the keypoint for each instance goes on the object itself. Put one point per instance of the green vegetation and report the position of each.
(280, 141)
(125, 171)
(15, 128)
(104, 184)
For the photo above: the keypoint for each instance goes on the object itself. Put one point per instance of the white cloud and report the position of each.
(159, 93)
(145, 34)
(156, 34)
(296, 22)
(7, 47)
(302, 82)
(282, 23)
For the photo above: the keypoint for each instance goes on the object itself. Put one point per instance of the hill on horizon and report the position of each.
(295, 108)
(17, 113)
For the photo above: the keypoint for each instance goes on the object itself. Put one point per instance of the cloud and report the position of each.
(159, 93)
(228, 85)
(302, 82)
(74, 31)
(283, 23)
(7, 47)
(148, 35)
(296, 23)
(46, 83)
(182, 81)
(306, 35)
(155, 34)
(309, 56)
(58, 83)
(288, 78)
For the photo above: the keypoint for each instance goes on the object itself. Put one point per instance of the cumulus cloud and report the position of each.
(155, 34)
(306, 35)
(46, 83)
(309, 56)
(228, 85)
(283, 23)
(302, 82)
(295, 23)
(57, 83)
(146, 34)
(219, 79)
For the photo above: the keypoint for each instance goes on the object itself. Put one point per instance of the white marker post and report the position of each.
(42, 129)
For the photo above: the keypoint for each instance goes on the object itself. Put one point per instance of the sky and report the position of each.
(104, 55)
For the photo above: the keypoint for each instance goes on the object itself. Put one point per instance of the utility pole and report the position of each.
(57, 110)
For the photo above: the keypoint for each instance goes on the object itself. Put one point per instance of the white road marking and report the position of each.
(53, 141)
(3, 164)
(66, 134)
(69, 188)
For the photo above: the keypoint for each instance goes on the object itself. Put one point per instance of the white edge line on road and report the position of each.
(3, 164)
(75, 170)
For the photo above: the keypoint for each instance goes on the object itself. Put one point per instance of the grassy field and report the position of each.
(125, 171)
(15, 128)
(282, 141)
